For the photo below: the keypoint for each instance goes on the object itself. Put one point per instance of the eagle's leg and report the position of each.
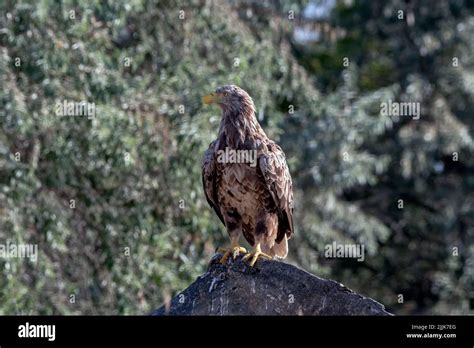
(255, 254)
(234, 250)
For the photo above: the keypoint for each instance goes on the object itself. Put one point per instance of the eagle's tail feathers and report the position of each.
(280, 250)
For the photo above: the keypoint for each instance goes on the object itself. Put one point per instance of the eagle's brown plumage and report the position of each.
(253, 198)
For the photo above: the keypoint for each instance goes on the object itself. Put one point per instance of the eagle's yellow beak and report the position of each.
(211, 98)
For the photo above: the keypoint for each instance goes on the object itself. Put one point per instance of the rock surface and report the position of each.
(271, 288)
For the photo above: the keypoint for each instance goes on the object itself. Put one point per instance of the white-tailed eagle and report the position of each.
(246, 180)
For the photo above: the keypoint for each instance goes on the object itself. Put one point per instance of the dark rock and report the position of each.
(270, 288)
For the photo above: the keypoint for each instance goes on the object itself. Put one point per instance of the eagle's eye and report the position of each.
(226, 94)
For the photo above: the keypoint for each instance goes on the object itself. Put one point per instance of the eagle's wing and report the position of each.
(209, 179)
(275, 172)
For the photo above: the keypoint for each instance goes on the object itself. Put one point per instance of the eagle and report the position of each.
(247, 181)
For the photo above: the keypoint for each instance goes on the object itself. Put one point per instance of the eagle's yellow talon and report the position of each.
(237, 250)
(234, 250)
(254, 255)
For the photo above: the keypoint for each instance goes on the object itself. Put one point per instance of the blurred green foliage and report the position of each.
(115, 203)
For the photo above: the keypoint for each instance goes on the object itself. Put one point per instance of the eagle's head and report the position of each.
(232, 99)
